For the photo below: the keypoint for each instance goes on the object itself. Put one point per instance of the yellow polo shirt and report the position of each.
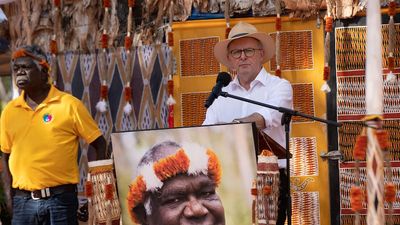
(43, 143)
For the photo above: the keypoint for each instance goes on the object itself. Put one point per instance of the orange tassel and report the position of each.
(131, 3)
(391, 63)
(108, 191)
(104, 41)
(267, 190)
(392, 8)
(106, 3)
(356, 198)
(170, 87)
(128, 94)
(278, 72)
(328, 24)
(254, 191)
(128, 42)
(390, 193)
(57, 3)
(360, 148)
(278, 24)
(171, 116)
(171, 39)
(326, 73)
(103, 91)
(53, 47)
(89, 189)
(383, 138)
(227, 31)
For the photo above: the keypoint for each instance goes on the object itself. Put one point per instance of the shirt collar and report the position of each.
(51, 97)
(262, 78)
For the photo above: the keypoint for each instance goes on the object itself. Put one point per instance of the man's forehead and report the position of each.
(184, 181)
(23, 60)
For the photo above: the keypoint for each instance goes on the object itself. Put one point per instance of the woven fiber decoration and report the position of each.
(348, 179)
(306, 208)
(303, 101)
(350, 47)
(304, 161)
(197, 57)
(296, 50)
(350, 130)
(193, 110)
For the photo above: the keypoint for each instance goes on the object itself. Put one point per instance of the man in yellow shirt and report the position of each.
(40, 133)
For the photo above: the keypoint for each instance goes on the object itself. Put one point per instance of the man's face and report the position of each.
(187, 200)
(27, 74)
(246, 65)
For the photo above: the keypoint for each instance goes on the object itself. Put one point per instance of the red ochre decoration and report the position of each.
(128, 94)
(390, 193)
(131, 3)
(170, 38)
(278, 72)
(53, 47)
(106, 3)
(267, 190)
(360, 147)
(278, 24)
(328, 24)
(109, 191)
(391, 63)
(104, 91)
(104, 40)
(326, 73)
(356, 198)
(57, 3)
(128, 42)
(254, 191)
(89, 189)
(383, 139)
(227, 31)
(392, 8)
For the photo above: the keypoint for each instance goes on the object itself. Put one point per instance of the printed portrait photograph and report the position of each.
(218, 162)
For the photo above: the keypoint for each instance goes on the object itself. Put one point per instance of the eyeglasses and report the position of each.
(248, 52)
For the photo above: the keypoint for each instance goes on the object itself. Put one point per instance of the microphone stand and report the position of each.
(286, 118)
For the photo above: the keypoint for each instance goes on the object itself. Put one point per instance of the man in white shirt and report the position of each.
(244, 52)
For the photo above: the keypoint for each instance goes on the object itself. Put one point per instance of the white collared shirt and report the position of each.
(267, 89)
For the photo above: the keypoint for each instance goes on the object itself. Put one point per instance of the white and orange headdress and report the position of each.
(192, 160)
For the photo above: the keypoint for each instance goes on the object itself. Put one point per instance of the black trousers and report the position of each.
(283, 197)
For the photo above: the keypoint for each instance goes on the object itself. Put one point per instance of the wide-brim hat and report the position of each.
(241, 30)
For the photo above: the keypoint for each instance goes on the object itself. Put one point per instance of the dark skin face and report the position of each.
(187, 200)
(30, 78)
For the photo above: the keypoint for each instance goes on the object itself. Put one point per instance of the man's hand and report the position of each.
(255, 117)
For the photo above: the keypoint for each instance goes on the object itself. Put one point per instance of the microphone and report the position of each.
(223, 79)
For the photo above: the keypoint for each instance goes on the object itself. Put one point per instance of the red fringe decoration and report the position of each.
(128, 42)
(128, 94)
(89, 189)
(136, 193)
(390, 193)
(278, 24)
(53, 47)
(278, 72)
(106, 3)
(131, 3)
(326, 73)
(254, 191)
(171, 39)
(356, 198)
(267, 190)
(328, 24)
(104, 41)
(103, 91)
(170, 87)
(383, 138)
(109, 191)
(391, 63)
(360, 148)
(57, 3)
(214, 167)
(171, 165)
(227, 31)
(392, 8)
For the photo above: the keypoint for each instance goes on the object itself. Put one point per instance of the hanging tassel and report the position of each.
(109, 192)
(360, 147)
(101, 106)
(278, 71)
(128, 97)
(57, 3)
(170, 36)
(106, 3)
(131, 3)
(390, 193)
(356, 198)
(267, 190)
(171, 102)
(278, 23)
(104, 40)
(392, 8)
(383, 139)
(227, 31)
(53, 47)
(325, 87)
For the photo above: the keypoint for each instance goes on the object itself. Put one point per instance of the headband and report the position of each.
(24, 53)
(151, 176)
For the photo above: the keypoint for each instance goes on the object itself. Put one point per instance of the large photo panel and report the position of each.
(232, 143)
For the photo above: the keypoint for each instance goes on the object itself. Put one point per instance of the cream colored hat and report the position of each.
(240, 30)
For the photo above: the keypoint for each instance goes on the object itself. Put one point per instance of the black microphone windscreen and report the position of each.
(224, 77)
